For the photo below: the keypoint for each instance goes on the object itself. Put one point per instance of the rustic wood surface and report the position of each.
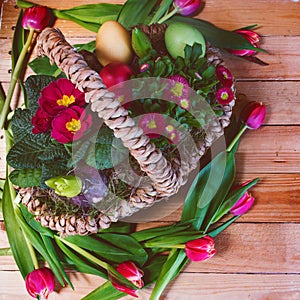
(259, 256)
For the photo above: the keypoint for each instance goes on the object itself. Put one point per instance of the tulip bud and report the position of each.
(36, 17)
(252, 37)
(253, 114)
(242, 205)
(187, 7)
(67, 186)
(40, 283)
(130, 271)
(200, 249)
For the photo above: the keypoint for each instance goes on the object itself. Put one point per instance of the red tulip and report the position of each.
(252, 37)
(253, 114)
(36, 17)
(187, 7)
(40, 282)
(242, 205)
(200, 249)
(130, 271)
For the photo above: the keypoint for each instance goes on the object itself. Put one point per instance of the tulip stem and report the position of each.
(85, 254)
(237, 137)
(14, 78)
(168, 16)
(32, 252)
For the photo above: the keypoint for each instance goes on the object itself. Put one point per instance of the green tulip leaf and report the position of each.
(16, 238)
(41, 66)
(135, 12)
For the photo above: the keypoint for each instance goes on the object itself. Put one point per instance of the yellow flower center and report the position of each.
(152, 124)
(177, 89)
(224, 96)
(74, 125)
(184, 103)
(66, 100)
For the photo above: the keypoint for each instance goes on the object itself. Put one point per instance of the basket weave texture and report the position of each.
(164, 177)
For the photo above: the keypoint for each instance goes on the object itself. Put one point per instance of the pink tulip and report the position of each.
(36, 17)
(187, 7)
(242, 205)
(200, 249)
(253, 114)
(40, 282)
(252, 37)
(130, 271)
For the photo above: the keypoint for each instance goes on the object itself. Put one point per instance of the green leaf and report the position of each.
(37, 226)
(107, 152)
(26, 177)
(105, 292)
(37, 242)
(162, 9)
(21, 125)
(33, 85)
(222, 227)
(91, 46)
(113, 247)
(216, 36)
(5, 251)
(94, 13)
(135, 12)
(79, 262)
(41, 66)
(15, 234)
(152, 269)
(171, 268)
(118, 227)
(18, 40)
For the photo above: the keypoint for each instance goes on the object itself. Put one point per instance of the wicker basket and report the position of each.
(164, 177)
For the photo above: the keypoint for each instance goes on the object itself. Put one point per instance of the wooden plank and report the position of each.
(239, 249)
(185, 286)
(280, 97)
(235, 17)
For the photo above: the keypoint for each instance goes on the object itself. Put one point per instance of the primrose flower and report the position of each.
(36, 17)
(59, 95)
(41, 121)
(224, 76)
(200, 249)
(40, 283)
(178, 88)
(253, 114)
(70, 124)
(130, 271)
(224, 95)
(67, 186)
(153, 124)
(186, 7)
(242, 205)
(252, 37)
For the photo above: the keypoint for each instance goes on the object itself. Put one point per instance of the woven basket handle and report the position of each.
(52, 43)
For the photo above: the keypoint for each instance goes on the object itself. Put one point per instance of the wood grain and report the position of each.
(186, 286)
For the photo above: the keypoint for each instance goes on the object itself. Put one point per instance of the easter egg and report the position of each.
(179, 34)
(113, 43)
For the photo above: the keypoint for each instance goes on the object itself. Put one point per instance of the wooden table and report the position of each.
(259, 256)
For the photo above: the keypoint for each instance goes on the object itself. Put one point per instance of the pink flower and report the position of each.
(59, 95)
(41, 121)
(253, 114)
(153, 124)
(178, 88)
(200, 249)
(187, 7)
(36, 17)
(130, 271)
(70, 124)
(252, 37)
(224, 76)
(173, 137)
(40, 282)
(224, 95)
(242, 205)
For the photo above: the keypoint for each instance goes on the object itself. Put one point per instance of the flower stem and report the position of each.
(237, 137)
(85, 254)
(168, 16)
(14, 78)
(32, 252)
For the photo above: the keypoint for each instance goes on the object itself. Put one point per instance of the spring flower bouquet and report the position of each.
(113, 126)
